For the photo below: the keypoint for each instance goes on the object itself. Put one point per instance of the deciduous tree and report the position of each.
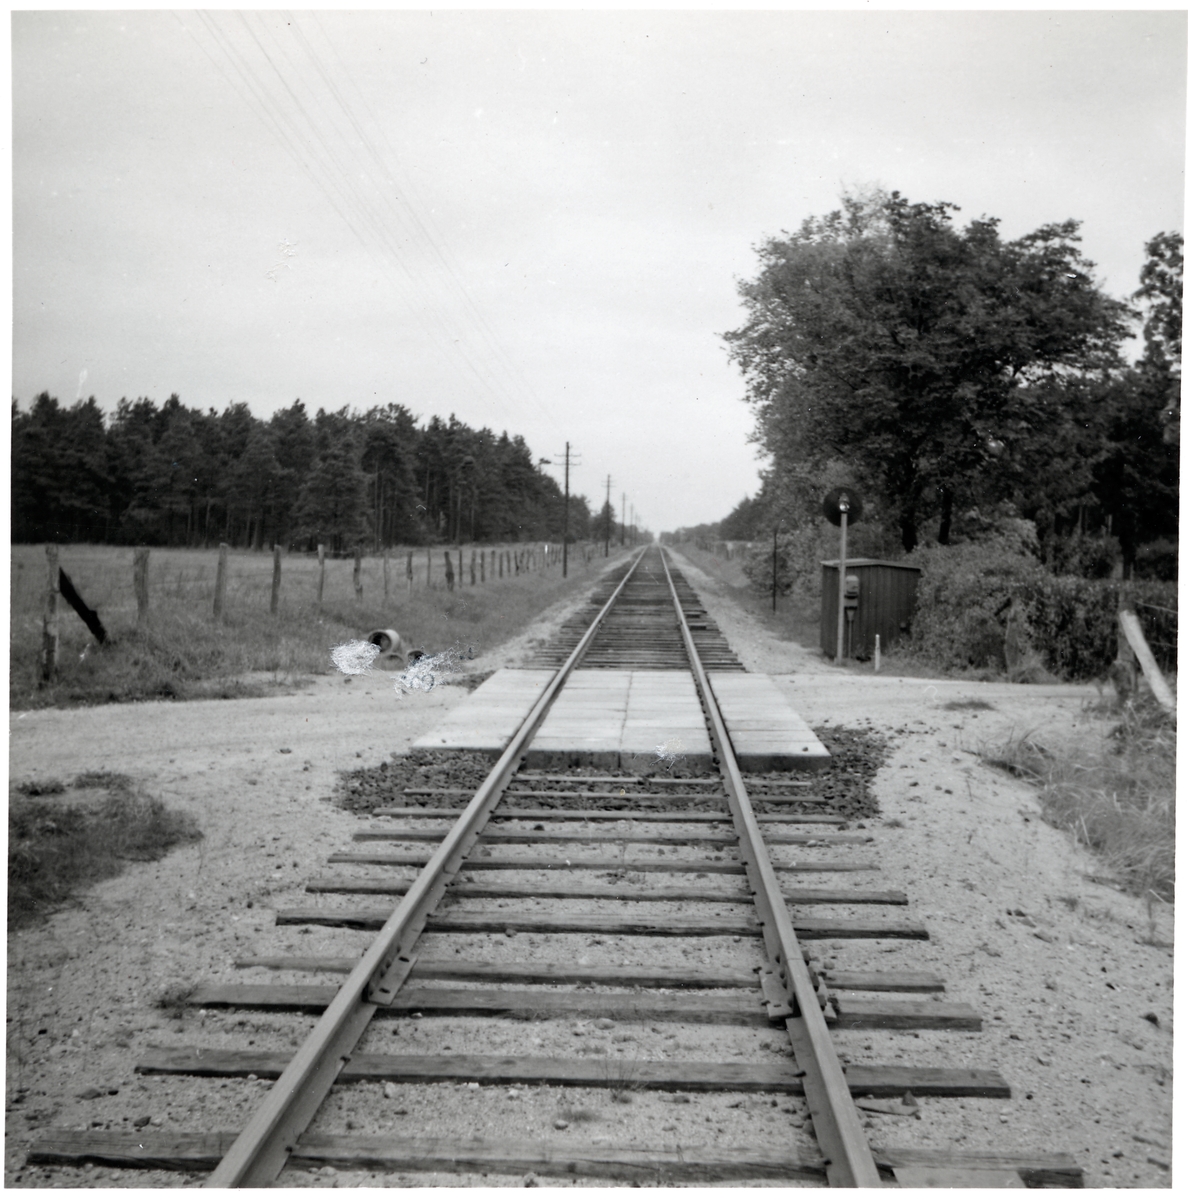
(884, 336)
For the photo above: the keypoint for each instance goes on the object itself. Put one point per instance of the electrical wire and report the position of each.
(274, 78)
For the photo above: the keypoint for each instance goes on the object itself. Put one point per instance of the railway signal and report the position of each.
(842, 506)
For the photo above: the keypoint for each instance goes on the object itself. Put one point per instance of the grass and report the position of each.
(1117, 798)
(795, 620)
(58, 846)
(973, 704)
(182, 653)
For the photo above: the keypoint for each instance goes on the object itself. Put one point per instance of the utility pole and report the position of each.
(623, 520)
(565, 522)
(570, 459)
(606, 546)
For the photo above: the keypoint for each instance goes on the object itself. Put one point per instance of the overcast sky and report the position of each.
(533, 220)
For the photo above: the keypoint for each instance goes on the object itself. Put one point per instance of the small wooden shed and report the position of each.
(886, 603)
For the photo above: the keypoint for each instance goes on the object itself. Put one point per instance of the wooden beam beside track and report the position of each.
(879, 1082)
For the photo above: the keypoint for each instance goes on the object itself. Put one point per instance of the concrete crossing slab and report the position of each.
(765, 730)
(624, 718)
(490, 715)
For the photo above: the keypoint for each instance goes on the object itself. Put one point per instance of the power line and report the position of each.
(314, 124)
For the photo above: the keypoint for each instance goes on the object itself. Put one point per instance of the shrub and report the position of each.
(967, 594)
(1158, 560)
(962, 599)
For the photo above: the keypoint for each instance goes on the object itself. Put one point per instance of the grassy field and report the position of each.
(182, 653)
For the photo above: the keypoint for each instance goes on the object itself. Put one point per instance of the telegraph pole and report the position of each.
(606, 545)
(623, 520)
(565, 522)
(570, 460)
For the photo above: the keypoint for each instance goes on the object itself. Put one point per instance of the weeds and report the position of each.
(1118, 799)
(172, 998)
(622, 1079)
(577, 1116)
(971, 705)
(56, 848)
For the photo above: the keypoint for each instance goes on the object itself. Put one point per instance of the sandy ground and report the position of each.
(1073, 979)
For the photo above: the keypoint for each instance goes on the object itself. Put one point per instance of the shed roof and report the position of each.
(870, 562)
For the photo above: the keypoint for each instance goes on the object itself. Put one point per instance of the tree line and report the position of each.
(178, 476)
(958, 380)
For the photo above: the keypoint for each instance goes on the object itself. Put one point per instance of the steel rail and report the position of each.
(838, 1127)
(259, 1153)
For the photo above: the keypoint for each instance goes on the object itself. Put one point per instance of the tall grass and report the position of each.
(182, 653)
(1116, 798)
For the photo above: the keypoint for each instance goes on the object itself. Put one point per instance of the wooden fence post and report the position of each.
(274, 603)
(499, 553)
(428, 564)
(220, 582)
(449, 572)
(49, 624)
(358, 576)
(1132, 632)
(409, 571)
(386, 586)
(482, 566)
(473, 555)
(321, 572)
(140, 558)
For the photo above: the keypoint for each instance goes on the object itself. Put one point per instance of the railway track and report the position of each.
(604, 942)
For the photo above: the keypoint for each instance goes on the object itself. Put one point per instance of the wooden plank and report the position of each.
(1037, 1169)
(884, 981)
(522, 922)
(958, 1177)
(593, 814)
(548, 837)
(706, 866)
(389, 1153)
(543, 972)
(876, 1081)
(563, 890)
(853, 1013)
(184, 1151)
(733, 1008)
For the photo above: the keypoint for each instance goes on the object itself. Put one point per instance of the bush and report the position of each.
(962, 599)
(1158, 560)
(969, 592)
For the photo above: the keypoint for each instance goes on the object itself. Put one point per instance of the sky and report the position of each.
(534, 220)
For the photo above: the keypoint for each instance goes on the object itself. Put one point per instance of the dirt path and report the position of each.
(1063, 969)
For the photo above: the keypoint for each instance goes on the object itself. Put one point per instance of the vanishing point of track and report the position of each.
(647, 619)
